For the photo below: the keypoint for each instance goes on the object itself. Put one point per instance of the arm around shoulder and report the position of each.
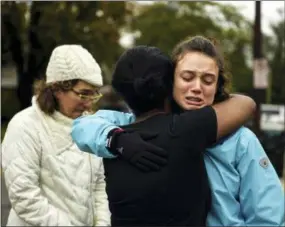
(217, 121)
(233, 113)
(90, 132)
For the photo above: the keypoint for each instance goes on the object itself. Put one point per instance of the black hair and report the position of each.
(142, 76)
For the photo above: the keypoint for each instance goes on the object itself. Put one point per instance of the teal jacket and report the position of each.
(246, 190)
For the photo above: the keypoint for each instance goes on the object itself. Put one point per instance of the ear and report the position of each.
(57, 94)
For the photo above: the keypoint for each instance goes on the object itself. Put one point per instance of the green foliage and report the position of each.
(94, 24)
(31, 31)
(163, 25)
(275, 52)
(13, 25)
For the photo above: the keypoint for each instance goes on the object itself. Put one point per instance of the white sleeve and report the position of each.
(101, 200)
(20, 161)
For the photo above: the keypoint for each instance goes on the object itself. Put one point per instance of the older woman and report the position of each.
(49, 181)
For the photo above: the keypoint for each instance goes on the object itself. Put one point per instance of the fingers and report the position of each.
(147, 163)
(147, 135)
(158, 160)
(155, 150)
(142, 167)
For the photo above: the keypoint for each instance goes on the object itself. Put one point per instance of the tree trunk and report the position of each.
(26, 80)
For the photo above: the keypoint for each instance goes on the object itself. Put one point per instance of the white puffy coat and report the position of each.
(50, 181)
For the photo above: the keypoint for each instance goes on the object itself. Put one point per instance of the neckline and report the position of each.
(149, 115)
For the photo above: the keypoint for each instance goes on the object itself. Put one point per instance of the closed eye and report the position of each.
(187, 76)
(208, 78)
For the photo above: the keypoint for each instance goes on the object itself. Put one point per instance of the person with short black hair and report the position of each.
(177, 194)
(245, 188)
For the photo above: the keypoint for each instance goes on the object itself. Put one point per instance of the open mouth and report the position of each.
(194, 101)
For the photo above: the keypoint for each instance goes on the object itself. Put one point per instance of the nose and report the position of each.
(196, 88)
(87, 104)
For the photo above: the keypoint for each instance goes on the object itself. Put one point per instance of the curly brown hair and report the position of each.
(45, 93)
(209, 48)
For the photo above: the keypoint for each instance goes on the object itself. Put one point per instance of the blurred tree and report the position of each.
(31, 30)
(12, 30)
(275, 52)
(164, 24)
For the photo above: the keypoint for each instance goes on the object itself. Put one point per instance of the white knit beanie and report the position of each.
(68, 62)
